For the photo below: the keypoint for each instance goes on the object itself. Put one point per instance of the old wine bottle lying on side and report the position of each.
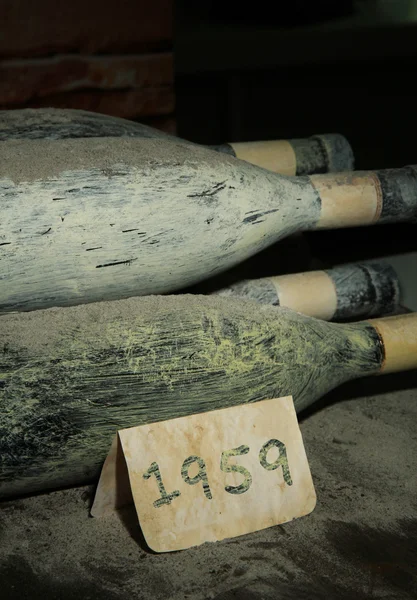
(351, 291)
(72, 376)
(95, 219)
(321, 153)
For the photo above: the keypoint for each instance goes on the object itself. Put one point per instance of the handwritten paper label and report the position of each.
(210, 476)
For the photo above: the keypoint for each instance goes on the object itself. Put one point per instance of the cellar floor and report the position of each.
(359, 542)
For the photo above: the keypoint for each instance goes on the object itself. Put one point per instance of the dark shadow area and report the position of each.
(366, 386)
(384, 558)
(129, 518)
(20, 582)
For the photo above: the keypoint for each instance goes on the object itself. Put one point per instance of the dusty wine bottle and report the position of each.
(321, 153)
(107, 218)
(351, 291)
(71, 377)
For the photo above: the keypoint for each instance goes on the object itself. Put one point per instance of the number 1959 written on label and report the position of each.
(281, 461)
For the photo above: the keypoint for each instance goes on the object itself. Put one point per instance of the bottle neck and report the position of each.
(358, 198)
(398, 338)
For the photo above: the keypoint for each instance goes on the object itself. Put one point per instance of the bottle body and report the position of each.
(71, 377)
(104, 218)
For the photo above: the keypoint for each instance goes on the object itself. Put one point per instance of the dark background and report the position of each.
(285, 70)
(299, 69)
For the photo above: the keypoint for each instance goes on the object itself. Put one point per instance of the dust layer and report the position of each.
(360, 541)
(260, 290)
(57, 123)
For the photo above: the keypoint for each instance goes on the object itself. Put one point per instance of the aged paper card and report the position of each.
(210, 476)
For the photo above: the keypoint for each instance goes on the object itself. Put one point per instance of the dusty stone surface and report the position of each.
(360, 541)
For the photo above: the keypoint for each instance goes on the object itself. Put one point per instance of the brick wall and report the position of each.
(115, 58)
